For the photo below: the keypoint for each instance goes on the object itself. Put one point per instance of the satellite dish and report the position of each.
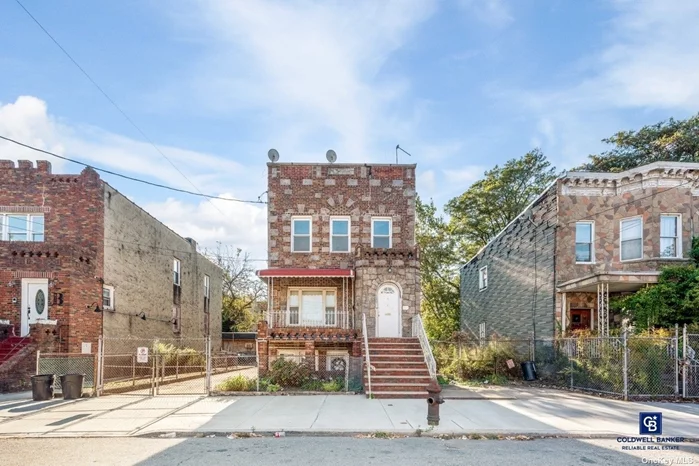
(273, 155)
(331, 156)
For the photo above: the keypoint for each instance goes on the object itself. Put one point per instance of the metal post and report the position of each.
(177, 365)
(38, 352)
(570, 358)
(257, 358)
(684, 361)
(133, 370)
(100, 367)
(677, 363)
(208, 365)
(349, 358)
(626, 367)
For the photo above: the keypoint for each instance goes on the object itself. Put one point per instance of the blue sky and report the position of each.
(462, 85)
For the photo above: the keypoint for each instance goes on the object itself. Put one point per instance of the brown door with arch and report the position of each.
(580, 319)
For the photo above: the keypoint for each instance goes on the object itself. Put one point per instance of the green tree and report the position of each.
(244, 294)
(439, 271)
(490, 204)
(671, 140)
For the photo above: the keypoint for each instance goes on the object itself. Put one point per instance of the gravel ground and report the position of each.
(293, 451)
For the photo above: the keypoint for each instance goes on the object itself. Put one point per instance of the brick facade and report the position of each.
(94, 236)
(357, 192)
(601, 198)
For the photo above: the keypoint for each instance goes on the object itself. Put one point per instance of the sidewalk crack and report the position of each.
(319, 410)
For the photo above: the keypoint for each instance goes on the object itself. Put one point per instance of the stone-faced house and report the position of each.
(587, 237)
(79, 260)
(342, 245)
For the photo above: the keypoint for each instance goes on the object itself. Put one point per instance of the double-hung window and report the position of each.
(340, 234)
(670, 237)
(483, 278)
(176, 272)
(631, 234)
(584, 233)
(312, 307)
(22, 227)
(108, 298)
(381, 229)
(301, 234)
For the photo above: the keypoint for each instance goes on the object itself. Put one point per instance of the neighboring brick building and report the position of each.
(71, 245)
(341, 244)
(586, 237)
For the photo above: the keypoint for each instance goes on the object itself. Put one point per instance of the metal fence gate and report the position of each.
(138, 366)
(690, 365)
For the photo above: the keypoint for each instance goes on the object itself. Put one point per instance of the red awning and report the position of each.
(267, 273)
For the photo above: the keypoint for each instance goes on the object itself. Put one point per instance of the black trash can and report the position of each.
(42, 387)
(529, 371)
(72, 386)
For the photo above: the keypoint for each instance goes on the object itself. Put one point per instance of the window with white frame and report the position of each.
(670, 237)
(483, 278)
(207, 292)
(631, 234)
(340, 234)
(381, 228)
(584, 234)
(108, 298)
(22, 227)
(301, 234)
(336, 361)
(313, 307)
(176, 272)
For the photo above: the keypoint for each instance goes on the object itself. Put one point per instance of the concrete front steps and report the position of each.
(398, 368)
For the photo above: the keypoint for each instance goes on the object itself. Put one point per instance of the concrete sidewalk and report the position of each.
(542, 412)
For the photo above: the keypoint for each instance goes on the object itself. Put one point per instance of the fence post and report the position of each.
(349, 358)
(38, 352)
(570, 359)
(133, 370)
(177, 365)
(684, 361)
(626, 367)
(208, 365)
(257, 360)
(677, 363)
(100, 365)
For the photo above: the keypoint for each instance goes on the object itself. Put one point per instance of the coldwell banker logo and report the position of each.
(650, 423)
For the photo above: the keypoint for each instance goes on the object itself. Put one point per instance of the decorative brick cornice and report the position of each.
(22, 274)
(662, 175)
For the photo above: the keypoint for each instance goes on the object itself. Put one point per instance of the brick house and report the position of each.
(586, 238)
(341, 246)
(79, 260)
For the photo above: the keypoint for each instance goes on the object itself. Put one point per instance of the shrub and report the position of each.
(480, 362)
(237, 383)
(288, 373)
(171, 355)
(335, 385)
(267, 386)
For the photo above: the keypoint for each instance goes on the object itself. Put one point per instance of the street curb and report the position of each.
(422, 433)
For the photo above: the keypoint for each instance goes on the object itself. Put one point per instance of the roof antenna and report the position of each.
(398, 147)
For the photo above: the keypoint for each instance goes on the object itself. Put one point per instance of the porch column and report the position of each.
(603, 309)
(564, 313)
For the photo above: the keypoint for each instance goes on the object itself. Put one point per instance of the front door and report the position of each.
(388, 312)
(579, 319)
(35, 304)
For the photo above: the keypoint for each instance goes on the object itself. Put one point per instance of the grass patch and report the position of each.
(237, 383)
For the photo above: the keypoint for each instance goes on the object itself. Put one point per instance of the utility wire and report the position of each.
(99, 88)
(138, 180)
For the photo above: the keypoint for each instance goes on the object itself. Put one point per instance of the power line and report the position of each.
(138, 180)
(99, 88)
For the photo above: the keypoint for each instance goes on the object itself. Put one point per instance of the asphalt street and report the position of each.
(293, 451)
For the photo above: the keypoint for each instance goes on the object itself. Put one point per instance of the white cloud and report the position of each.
(464, 176)
(309, 67)
(240, 225)
(648, 64)
(495, 13)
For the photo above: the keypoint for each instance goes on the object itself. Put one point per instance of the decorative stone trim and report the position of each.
(23, 209)
(656, 175)
(20, 274)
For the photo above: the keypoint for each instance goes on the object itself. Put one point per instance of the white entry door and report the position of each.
(388, 312)
(35, 302)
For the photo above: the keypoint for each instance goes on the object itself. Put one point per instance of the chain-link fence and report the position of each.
(291, 373)
(690, 366)
(68, 363)
(626, 365)
(154, 366)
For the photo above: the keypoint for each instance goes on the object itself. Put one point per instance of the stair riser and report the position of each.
(393, 359)
(388, 396)
(391, 352)
(375, 388)
(382, 365)
(393, 340)
(399, 380)
(400, 373)
(395, 345)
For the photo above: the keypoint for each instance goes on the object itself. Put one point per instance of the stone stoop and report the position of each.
(399, 369)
